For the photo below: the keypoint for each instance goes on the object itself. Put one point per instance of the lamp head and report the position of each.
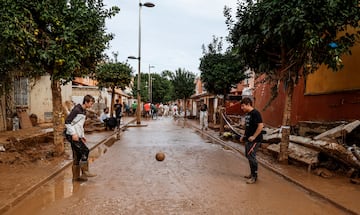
(133, 57)
(147, 4)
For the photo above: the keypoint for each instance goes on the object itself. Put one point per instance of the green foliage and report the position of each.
(113, 75)
(144, 87)
(284, 38)
(183, 82)
(220, 71)
(63, 38)
(281, 37)
(161, 89)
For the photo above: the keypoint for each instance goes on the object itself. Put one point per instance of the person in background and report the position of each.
(154, 111)
(75, 134)
(252, 137)
(118, 112)
(175, 110)
(160, 109)
(203, 117)
(104, 117)
(134, 107)
(166, 109)
(147, 109)
(127, 109)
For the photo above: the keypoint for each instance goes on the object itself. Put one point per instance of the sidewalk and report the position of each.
(21, 181)
(336, 190)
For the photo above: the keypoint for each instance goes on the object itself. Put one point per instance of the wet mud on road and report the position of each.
(196, 177)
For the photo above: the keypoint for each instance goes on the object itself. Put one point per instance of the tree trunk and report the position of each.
(185, 108)
(58, 117)
(112, 101)
(222, 110)
(184, 112)
(222, 123)
(284, 145)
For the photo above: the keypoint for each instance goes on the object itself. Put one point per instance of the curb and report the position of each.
(16, 200)
(288, 178)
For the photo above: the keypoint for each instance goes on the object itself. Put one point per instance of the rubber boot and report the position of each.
(76, 174)
(85, 169)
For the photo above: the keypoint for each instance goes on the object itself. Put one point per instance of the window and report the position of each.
(21, 93)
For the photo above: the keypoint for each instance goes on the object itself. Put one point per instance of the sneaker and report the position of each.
(247, 176)
(252, 180)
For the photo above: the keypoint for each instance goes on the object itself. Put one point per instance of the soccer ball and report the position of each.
(160, 156)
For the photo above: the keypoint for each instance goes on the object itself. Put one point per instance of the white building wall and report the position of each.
(78, 93)
(40, 100)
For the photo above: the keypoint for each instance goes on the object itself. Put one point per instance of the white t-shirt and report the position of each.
(103, 116)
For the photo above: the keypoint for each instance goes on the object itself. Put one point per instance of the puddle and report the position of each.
(60, 187)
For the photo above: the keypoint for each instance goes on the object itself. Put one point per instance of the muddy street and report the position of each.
(196, 177)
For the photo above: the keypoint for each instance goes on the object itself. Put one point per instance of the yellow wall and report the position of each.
(326, 80)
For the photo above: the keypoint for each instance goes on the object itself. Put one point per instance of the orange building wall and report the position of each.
(273, 114)
(85, 81)
(321, 107)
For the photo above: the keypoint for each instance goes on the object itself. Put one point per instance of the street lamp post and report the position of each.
(150, 85)
(138, 109)
(151, 88)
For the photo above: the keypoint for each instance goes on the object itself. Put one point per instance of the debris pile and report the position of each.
(27, 149)
(93, 122)
(334, 149)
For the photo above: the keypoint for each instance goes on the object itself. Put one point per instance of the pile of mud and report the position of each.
(27, 150)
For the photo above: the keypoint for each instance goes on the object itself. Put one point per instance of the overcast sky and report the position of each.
(172, 32)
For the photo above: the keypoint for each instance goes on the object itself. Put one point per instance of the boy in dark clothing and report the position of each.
(153, 111)
(127, 109)
(118, 112)
(253, 136)
(75, 134)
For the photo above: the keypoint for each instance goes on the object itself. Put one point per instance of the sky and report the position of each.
(172, 32)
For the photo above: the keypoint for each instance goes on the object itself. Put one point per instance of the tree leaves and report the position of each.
(61, 38)
(298, 32)
(113, 75)
(184, 83)
(220, 72)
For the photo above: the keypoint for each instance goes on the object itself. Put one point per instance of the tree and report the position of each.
(287, 39)
(144, 86)
(113, 75)
(184, 85)
(220, 71)
(162, 90)
(168, 86)
(63, 39)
